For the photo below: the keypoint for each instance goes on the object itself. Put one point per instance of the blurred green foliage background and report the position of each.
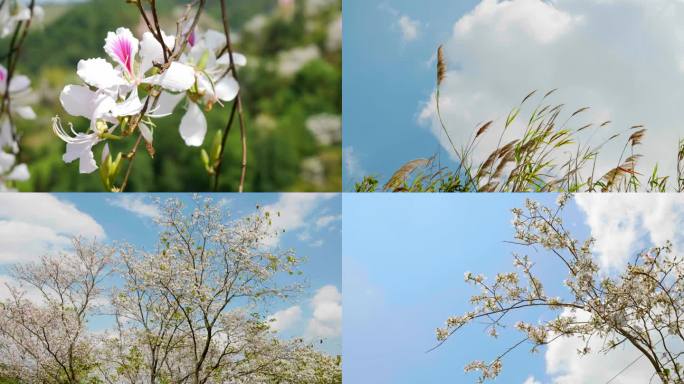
(291, 89)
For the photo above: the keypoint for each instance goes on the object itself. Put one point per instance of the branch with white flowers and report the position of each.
(15, 89)
(194, 68)
(640, 307)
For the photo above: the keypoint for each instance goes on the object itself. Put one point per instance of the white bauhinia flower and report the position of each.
(13, 12)
(20, 93)
(79, 145)
(9, 170)
(19, 172)
(133, 59)
(212, 82)
(101, 109)
(123, 48)
(151, 51)
(79, 100)
(7, 142)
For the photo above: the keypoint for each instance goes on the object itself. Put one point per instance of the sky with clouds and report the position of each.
(32, 225)
(624, 59)
(404, 257)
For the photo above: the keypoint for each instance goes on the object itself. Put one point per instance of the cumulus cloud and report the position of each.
(32, 225)
(531, 380)
(326, 321)
(325, 221)
(285, 319)
(625, 59)
(294, 211)
(29, 292)
(623, 224)
(567, 367)
(136, 204)
(409, 28)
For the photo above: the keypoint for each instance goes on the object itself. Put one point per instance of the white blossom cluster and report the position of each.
(640, 306)
(13, 12)
(146, 82)
(15, 94)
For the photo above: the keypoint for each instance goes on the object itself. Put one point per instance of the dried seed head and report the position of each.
(636, 137)
(483, 128)
(399, 177)
(441, 65)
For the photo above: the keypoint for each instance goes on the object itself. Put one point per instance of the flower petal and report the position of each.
(6, 161)
(129, 107)
(19, 83)
(79, 146)
(177, 78)
(151, 51)
(166, 104)
(26, 112)
(239, 59)
(99, 73)
(38, 13)
(7, 136)
(193, 126)
(86, 162)
(19, 173)
(146, 132)
(122, 47)
(76, 100)
(227, 88)
(105, 152)
(214, 40)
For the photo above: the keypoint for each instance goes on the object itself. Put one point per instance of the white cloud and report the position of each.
(30, 293)
(32, 225)
(531, 380)
(325, 221)
(352, 164)
(285, 319)
(317, 243)
(622, 58)
(623, 224)
(567, 367)
(409, 28)
(326, 321)
(136, 204)
(293, 212)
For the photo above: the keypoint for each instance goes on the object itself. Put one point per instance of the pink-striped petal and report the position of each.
(122, 47)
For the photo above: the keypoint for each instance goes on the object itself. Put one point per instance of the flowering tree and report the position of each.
(187, 312)
(43, 325)
(148, 79)
(641, 307)
(185, 292)
(15, 89)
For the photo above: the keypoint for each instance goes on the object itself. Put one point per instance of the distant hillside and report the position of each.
(77, 30)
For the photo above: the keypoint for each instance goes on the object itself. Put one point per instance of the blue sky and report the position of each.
(404, 258)
(497, 52)
(311, 222)
(386, 78)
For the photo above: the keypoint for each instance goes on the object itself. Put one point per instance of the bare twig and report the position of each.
(236, 107)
